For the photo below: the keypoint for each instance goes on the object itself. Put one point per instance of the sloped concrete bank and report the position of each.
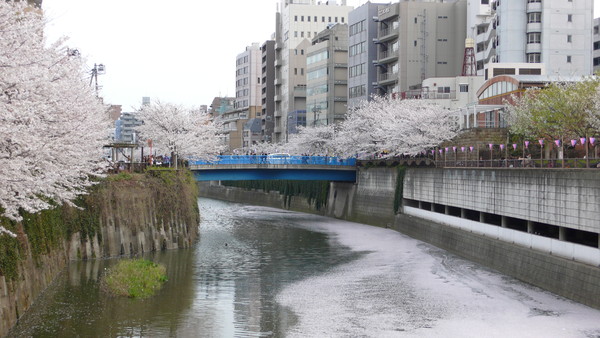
(480, 215)
(125, 216)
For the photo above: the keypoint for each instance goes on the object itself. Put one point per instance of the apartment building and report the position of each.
(267, 115)
(418, 40)
(298, 21)
(248, 95)
(327, 76)
(555, 33)
(362, 50)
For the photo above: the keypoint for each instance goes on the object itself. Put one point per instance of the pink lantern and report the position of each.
(446, 149)
(592, 140)
(441, 151)
(462, 149)
(502, 147)
(526, 144)
(573, 143)
(557, 142)
(471, 148)
(491, 146)
(582, 139)
(454, 149)
(433, 152)
(541, 142)
(514, 146)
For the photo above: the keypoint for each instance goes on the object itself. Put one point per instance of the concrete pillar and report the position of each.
(420, 204)
(446, 210)
(482, 217)
(562, 231)
(530, 227)
(503, 221)
(463, 213)
(432, 207)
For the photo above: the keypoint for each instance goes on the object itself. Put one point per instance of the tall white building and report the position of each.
(596, 53)
(556, 33)
(298, 21)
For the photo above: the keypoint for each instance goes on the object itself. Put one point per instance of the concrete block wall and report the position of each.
(567, 198)
(373, 201)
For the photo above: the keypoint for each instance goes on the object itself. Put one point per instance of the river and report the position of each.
(261, 272)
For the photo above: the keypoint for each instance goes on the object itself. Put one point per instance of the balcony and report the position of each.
(387, 57)
(386, 78)
(533, 48)
(386, 34)
(534, 7)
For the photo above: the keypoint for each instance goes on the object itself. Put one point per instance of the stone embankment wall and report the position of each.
(523, 223)
(131, 215)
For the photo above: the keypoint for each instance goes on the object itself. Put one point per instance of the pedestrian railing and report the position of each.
(279, 159)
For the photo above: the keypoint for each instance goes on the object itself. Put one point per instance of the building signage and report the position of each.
(383, 11)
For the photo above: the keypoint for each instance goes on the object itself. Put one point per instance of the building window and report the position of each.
(336, 19)
(295, 34)
(597, 61)
(342, 19)
(308, 18)
(534, 17)
(443, 90)
(415, 43)
(534, 37)
(569, 38)
(568, 58)
(485, 2)
(295, 18)
(596, 29)
(531, 1)
(315, 19)
(534, 58)
(329, 19)
(322, 19)
(570, 18)
(596, 45)
(464, 88)
(301, 34)
(302, 18)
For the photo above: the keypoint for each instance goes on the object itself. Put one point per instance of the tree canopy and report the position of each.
(52, 125)
(560, 110)
(185, 131)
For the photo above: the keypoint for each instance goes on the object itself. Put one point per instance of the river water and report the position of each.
(261, 272)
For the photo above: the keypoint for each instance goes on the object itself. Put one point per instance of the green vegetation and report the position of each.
(45, 231)
(135, 278)
(315, 191)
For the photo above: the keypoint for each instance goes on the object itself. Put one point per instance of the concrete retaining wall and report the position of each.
(566, 198)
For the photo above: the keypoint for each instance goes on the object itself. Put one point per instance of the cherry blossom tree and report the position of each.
(52, 125)
(316, 140)
(180, 130)
(394, 127)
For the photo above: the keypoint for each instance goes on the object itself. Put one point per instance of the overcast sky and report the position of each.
(176, 51)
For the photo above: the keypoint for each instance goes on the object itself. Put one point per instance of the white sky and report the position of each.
(181, 52)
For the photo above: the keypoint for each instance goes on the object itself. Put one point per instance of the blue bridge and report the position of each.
(275, 167)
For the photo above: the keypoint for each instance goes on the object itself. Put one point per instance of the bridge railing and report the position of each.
(265, 159)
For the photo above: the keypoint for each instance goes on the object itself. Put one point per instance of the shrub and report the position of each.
(135, 278)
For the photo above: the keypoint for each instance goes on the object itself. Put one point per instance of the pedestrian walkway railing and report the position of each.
(276, 159)
(523, 163)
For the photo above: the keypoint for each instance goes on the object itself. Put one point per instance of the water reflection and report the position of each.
(224, 286)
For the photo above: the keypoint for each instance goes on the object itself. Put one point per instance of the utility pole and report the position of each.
(97, 70)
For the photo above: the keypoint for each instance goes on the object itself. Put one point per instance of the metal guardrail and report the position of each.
(266, 159)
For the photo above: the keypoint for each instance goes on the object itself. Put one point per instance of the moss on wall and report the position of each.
(314, 191)
(42, 232)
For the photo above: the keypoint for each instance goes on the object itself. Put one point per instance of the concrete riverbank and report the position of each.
(540, 226)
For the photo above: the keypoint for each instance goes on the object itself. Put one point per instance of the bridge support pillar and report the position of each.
(482, 217)
(463, 213)
(562, 233)
(446, 210)
(503, 221)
